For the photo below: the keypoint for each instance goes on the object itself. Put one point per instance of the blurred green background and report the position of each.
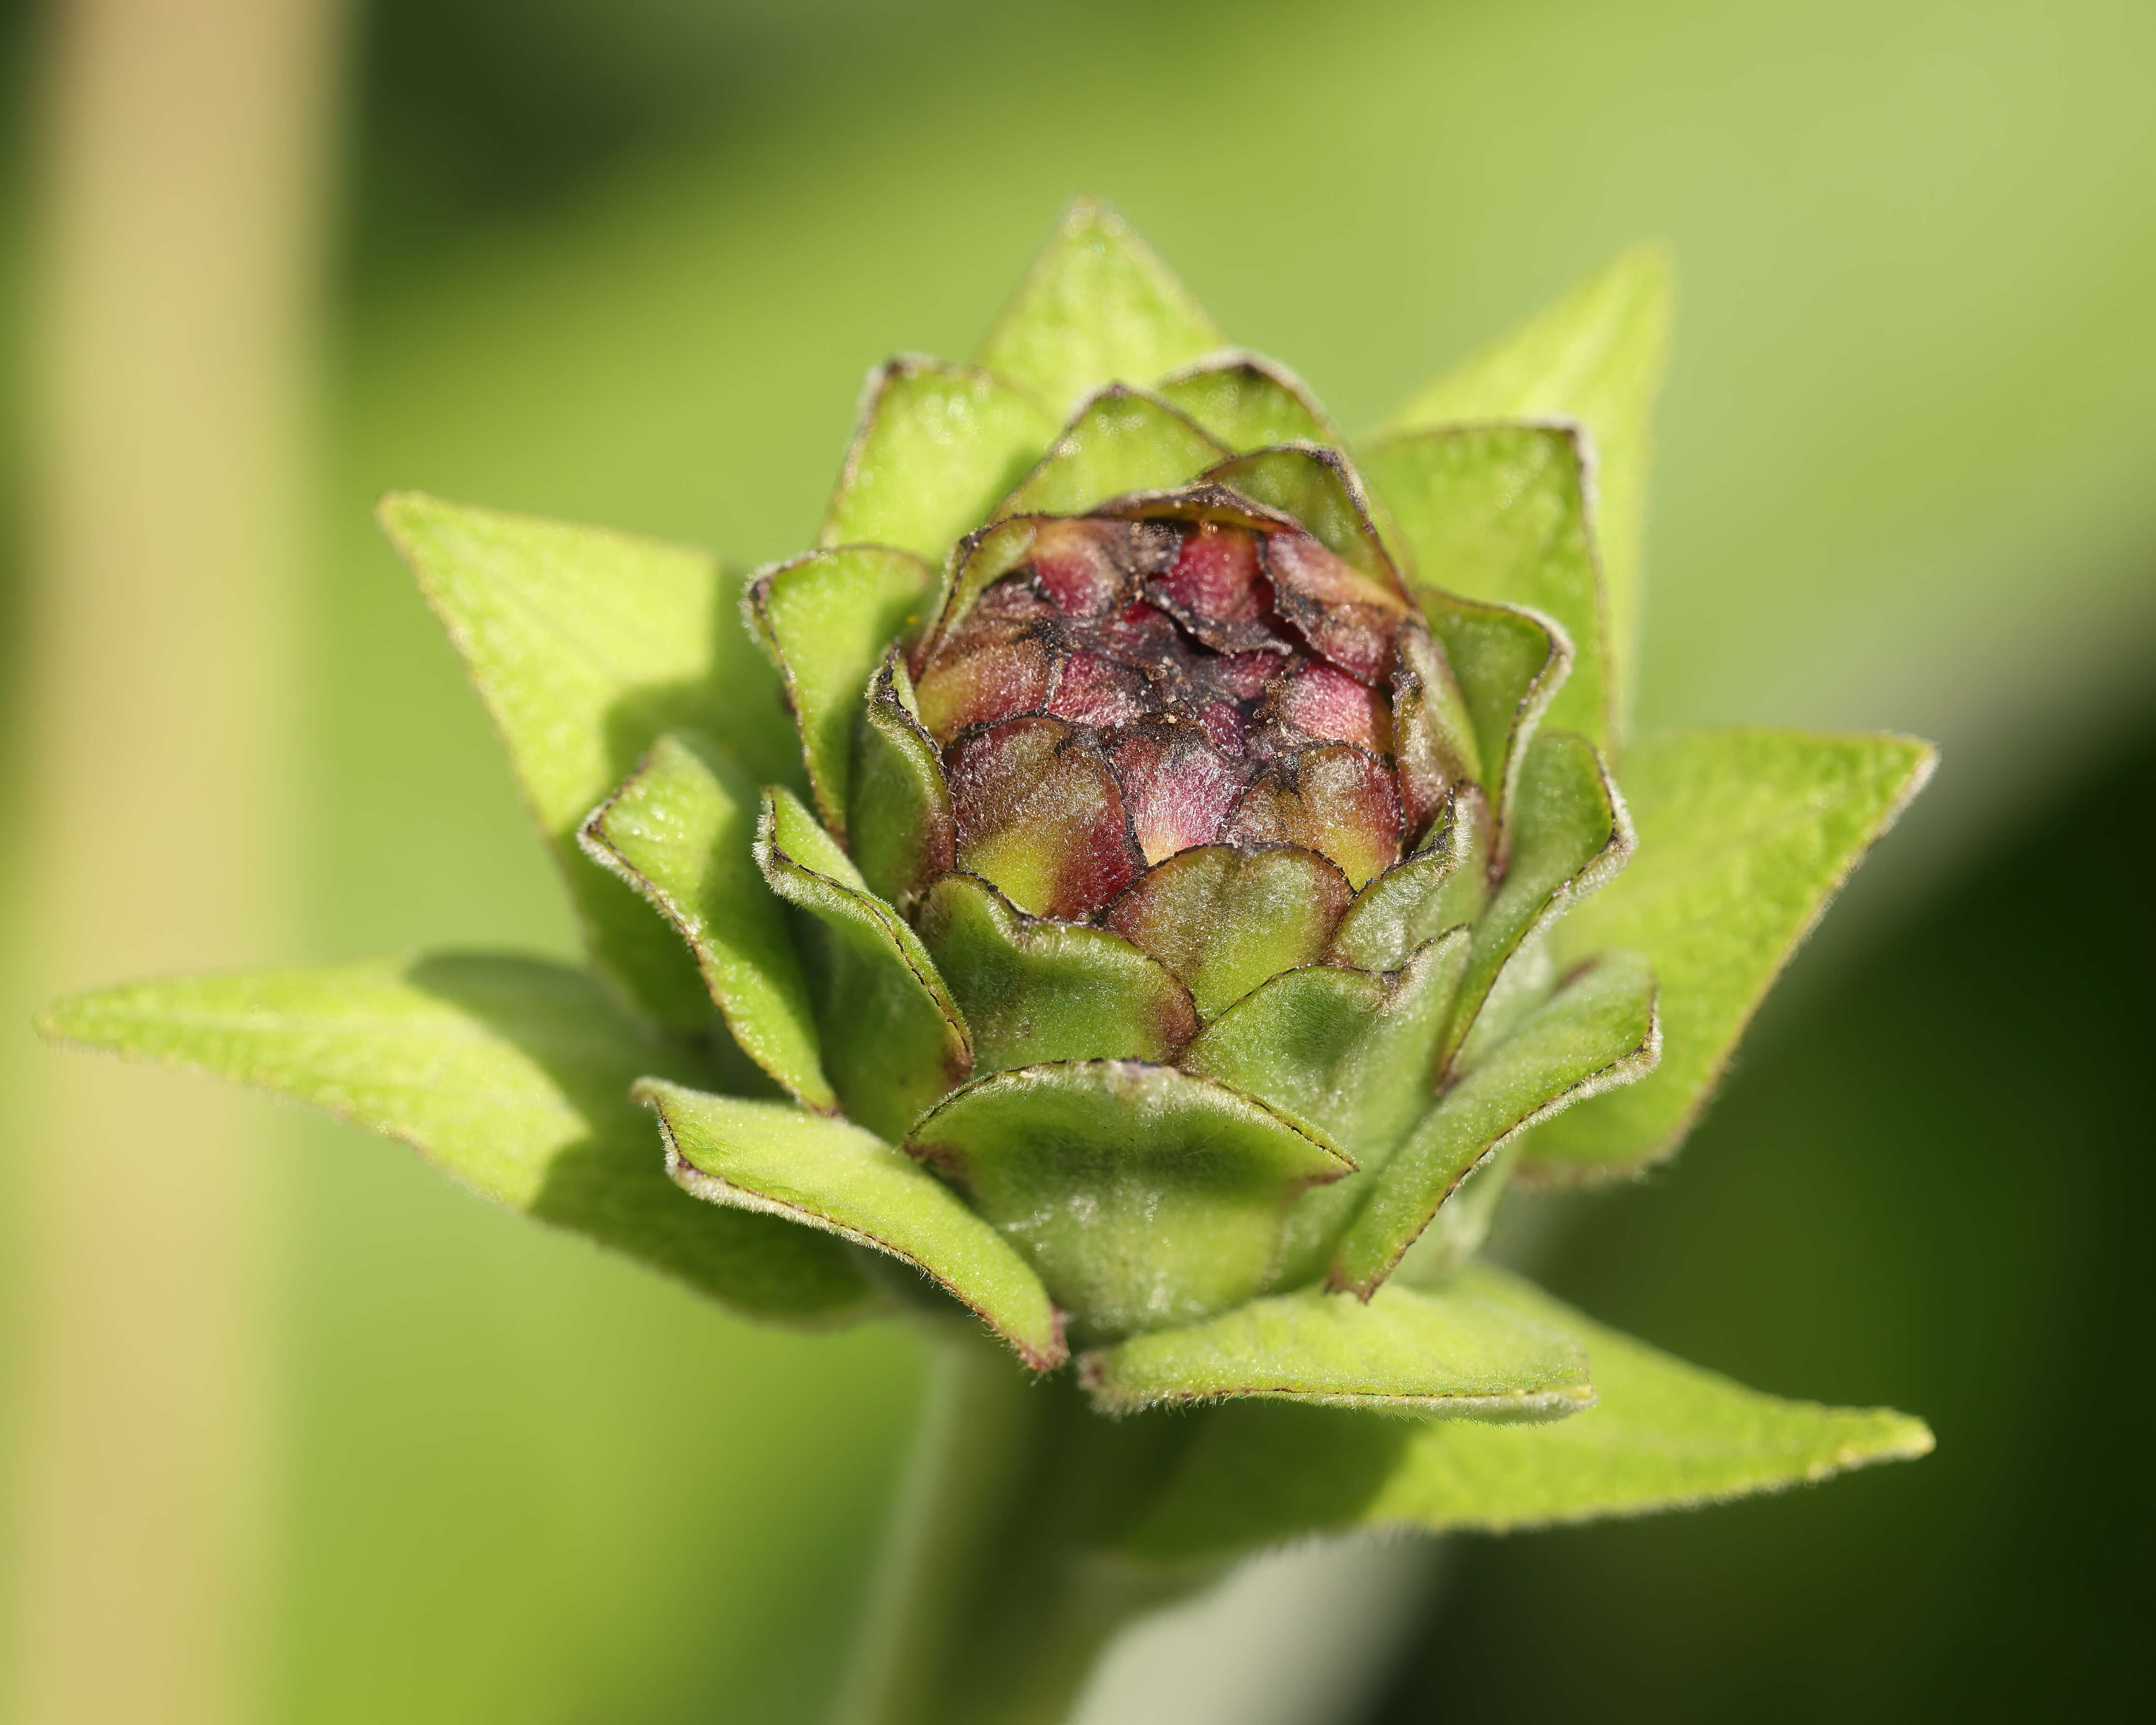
(627, 262)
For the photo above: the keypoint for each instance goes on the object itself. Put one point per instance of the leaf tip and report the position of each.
(401, 514)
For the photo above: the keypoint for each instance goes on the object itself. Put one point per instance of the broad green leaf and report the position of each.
(1223, 919)
(1500, 512)
(1145, 1197)
(1096, 307)
(1455, 1351)
(1595, 357)
(1509, 664)
(1599, 1031)
(1744, 837)
(1249, 402)
(1443, 886)
(510, 1074)
(682, 832)
(1351, 1056)
(1572, 836)
(1318, 488)
(1121, 441)
(902, 830)
(773, 1158)
(893, 1040)
(584, 645)
(827, 619)
(1036, 991)
(1661, 1435)
(937, 446)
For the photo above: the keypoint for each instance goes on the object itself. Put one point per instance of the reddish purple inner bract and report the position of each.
(1214, 683)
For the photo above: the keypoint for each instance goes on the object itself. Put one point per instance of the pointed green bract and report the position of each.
(682, 832)
(893, 1040)
(1318, 488)
(1461, 1226)
(1351, 1056)
(981, 559)
(1661, 1435)
(1597, 357)
(1572, 836)
(1096, 307)
(1034, 990)
(1508, 663)
(937, 445)
(1454, 1352)
(902, 830)
(510, 1074)
(1442, 887)
(826, 620)
(1249, 402)
(1145, 1197)
(1435, 746)
(1223, 919)
(772, 1158)
(1120, 441)
(1524, 981)
(1500, 512)
(1745, 835)
(584, 645)
(1597, 1032)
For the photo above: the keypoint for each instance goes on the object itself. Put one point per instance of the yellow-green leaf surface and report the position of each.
(776, 1159)
(1145, 1197)
(826, 620)
(511, 1073)
(1036, 991)
(1745, 835)
(893, 1040)
(1120, 441)
(1457, 1352)
(585, 645)
(1574, 834)
(682, 832)
(1595, 357)
(1597, 1032)
(937, 446)
(1661, 1435)
(1098, 306)
(1249, 403)
(1500, 512)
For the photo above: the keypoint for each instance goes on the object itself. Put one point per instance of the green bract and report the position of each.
(1194, 879)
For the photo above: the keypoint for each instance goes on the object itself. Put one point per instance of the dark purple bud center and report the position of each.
(1135, 688)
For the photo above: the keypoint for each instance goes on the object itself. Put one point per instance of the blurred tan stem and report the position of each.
(184, 153)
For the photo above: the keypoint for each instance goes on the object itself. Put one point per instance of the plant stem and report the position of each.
(996, 1592)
